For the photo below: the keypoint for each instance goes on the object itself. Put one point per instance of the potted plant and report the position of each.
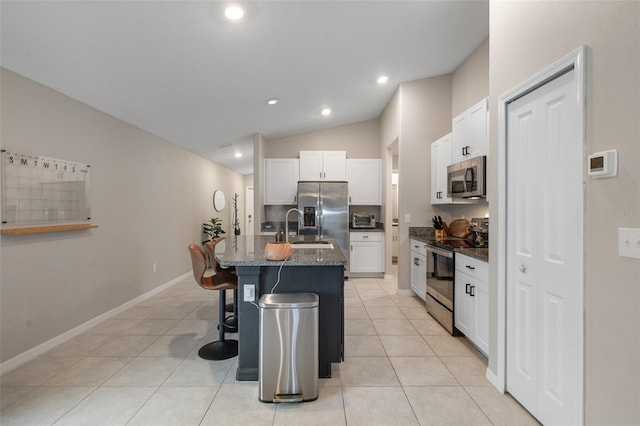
(212, 229)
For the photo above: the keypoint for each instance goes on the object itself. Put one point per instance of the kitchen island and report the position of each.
(310, 270)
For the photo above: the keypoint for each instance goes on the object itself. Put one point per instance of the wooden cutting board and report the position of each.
(459, 228)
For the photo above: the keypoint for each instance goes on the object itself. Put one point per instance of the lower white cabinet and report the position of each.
(471, 305)
(366, 254)
(419, 268)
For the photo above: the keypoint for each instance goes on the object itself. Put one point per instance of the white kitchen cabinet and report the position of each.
(365, 182)
(366, 255)
(418, 268)
(472, 300)
(323, 165)
(469, 133)
(281, 181)
(440, 159)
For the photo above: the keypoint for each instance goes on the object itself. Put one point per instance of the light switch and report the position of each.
(629, 242)
(249, 293)
(407, 218)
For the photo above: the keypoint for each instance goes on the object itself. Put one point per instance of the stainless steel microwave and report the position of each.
(467, 179)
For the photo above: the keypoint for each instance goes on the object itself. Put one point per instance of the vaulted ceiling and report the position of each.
(184, 72)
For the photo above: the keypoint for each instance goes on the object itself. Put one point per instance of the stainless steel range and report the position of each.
(440, 272)
(440, 286)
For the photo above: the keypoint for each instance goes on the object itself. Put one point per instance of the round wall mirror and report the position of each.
(218, 201)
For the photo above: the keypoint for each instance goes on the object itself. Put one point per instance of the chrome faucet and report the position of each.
(286, 222)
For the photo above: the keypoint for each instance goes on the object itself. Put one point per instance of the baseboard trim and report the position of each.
(405, 292)
(36, 351)
(493, 379)
(388, 276)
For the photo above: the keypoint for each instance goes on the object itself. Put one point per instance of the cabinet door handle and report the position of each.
(469, 267)
(365, 236)
(466, 288)
(351, 247)
(471, 293)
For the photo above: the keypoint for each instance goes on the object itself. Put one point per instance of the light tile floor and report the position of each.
(142, 368)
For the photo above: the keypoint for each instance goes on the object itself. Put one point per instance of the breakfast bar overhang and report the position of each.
(309, 270)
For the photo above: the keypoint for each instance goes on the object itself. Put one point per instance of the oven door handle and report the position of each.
(441, 252)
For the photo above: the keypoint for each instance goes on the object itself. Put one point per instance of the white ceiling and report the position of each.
(181, 71)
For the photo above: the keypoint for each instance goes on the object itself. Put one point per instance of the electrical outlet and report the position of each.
(154, 267)
(629, 242)
(249, 293)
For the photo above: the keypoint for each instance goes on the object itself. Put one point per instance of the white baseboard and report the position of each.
(35, 352)
(405, 292)
(493, 379)
(388, 276)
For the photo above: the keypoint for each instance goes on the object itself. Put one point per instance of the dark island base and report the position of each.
(327, 281)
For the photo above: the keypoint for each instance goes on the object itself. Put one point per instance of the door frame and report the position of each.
(576, 60)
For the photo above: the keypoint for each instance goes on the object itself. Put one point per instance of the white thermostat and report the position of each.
(603, 164)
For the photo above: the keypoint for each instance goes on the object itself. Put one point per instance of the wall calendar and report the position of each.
(40, 190)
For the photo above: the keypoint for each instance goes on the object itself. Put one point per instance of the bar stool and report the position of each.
(221, 281)
(231, 323)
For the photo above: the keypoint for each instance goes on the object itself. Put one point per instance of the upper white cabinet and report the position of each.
(469, 134)
(281, 181)
(323, 165)
(440, 159)
(364, 176)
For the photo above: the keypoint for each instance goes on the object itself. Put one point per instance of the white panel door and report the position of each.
(544, 180)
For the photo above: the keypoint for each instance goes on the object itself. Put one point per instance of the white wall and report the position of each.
(360, 140)
(526, 37)
(149, 199)
(419, 113)
(470, 80)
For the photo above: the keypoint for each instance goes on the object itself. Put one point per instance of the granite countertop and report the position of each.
(422, 233)
(248, 250)
(425, 234)
(477, 253)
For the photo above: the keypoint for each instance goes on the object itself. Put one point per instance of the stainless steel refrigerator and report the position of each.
(324, 207)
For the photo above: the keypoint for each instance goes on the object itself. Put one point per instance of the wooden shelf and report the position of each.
(46, 228)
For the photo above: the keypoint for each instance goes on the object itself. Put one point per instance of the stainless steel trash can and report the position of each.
(288, 358)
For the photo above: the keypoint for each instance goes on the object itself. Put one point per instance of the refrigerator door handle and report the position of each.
(320, 214)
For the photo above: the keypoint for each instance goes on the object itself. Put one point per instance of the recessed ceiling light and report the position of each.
(233, 13)
(237, 154)
(273, 101)
(325, 112)
(382, 79)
